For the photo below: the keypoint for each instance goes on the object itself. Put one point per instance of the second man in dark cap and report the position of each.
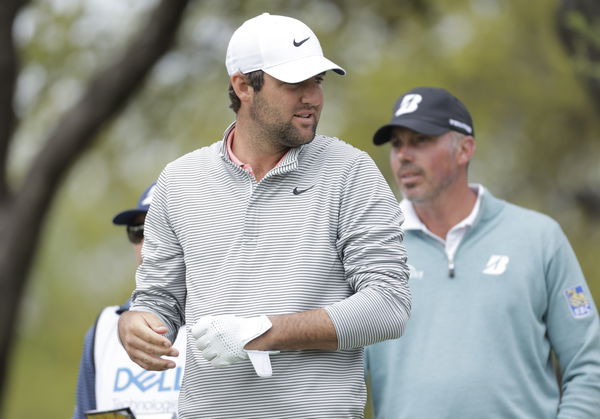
(496, 288)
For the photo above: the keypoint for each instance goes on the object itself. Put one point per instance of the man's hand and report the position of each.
(140, 334)
(221, 340)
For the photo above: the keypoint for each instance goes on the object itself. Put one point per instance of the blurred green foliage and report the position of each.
(536, 128)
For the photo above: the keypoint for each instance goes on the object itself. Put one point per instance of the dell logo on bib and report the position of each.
(147, 380)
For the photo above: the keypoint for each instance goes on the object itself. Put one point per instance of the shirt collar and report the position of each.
(233, 157)
(228, 140)
(412, 221)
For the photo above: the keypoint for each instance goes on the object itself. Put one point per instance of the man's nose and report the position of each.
(403, 153)
(312, 94)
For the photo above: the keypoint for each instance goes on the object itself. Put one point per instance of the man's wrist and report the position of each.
(264, 341)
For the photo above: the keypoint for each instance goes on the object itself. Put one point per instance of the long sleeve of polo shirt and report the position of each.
(370, 245)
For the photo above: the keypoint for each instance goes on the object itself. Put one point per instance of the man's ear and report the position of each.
(466, 149)
(242, 89)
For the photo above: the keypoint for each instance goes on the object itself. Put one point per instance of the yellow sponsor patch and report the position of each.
(579, 303)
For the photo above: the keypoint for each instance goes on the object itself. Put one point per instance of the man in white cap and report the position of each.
(273, 241)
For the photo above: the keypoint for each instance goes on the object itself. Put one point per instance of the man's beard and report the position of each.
(429, 191)
(280, 133)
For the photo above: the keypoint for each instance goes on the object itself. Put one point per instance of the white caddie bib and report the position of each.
(122, 383)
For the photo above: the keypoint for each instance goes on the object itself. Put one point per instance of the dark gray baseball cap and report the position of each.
(429, 111)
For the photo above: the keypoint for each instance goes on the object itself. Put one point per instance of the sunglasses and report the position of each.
(135, 234)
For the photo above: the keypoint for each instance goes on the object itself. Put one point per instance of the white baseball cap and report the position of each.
(281, 46)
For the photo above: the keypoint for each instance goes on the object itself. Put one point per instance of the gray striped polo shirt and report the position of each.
(320, 230)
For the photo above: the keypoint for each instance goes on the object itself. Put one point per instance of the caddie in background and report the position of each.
(280, 248)
(108, 379)
(496, 289)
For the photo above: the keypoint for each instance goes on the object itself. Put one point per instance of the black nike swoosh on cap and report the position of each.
(297, 44)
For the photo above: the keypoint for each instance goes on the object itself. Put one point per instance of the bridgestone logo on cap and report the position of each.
(462, 125)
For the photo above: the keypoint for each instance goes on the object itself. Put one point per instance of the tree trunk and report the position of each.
(22, 213)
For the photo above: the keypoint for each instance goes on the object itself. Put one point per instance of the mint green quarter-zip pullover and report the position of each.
(479, 341)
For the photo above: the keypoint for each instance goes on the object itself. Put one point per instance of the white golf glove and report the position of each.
(221, 340)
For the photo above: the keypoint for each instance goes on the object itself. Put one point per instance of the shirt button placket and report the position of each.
(251, 222)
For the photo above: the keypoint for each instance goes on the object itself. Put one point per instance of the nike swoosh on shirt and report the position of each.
(299, 191)
(297, 44)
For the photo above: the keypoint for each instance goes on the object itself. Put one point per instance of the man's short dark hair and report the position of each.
(256, 80)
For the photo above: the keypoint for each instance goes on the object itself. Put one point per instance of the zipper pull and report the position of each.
(451, 269)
